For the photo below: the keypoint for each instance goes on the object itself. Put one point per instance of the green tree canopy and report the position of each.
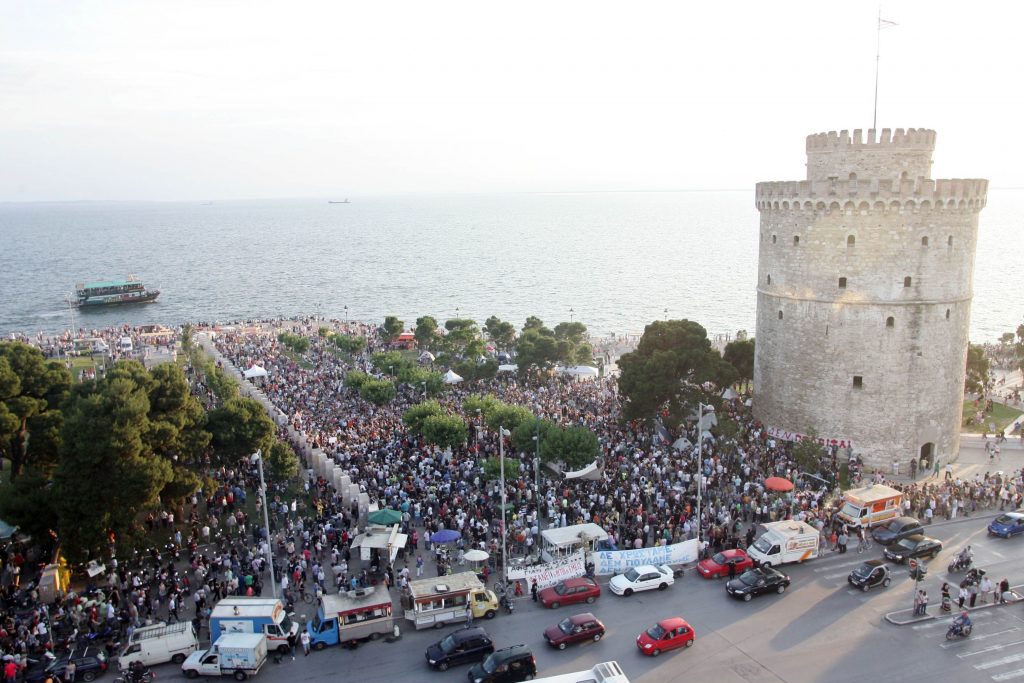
(392, 362)
(740, 354)
(422, 379)
(668, 367)
(977, 370)
(392, 327)
(808, 453)
(355, 379)
(474, 370)
(444, 431)
(502, 333)
(492, 469)
(241, 427)
(295, 342)
(574, 447)
(485, 403)
(533, 323)
(31, 392)
(414, 417)
(507, 416)
(282, 462)
(522, 435)
(426, 332)
(378, 391)
(348, 343)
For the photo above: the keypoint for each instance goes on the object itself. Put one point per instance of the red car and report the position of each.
(667, 634)
(570, 592)
(574, 629)
(718, 566)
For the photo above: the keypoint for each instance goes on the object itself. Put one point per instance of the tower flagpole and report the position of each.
(882, 23)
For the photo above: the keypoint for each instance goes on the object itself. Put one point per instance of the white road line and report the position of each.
(946, 621)
(1008, 675)
(999, 662)
(834, 576)
(834, 565)
(954, 643)
(998, 554)
(990, 648)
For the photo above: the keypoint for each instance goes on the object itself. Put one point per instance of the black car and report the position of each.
(757, 581)
(896, 529)
(460, 647)
(913, 547)
(507, 665)
(90, 662)
(869, 574)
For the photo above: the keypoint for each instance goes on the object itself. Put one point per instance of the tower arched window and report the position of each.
(842, 283)
(890, 321)
(780, 315)
(906, 281)
(851, 241)
(769, 278)
(947, 314)
(924, 241)
(949, 241)
(774, 237)
(796, 240)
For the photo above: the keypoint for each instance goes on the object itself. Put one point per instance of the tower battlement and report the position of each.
(909, 138)
(948, 194)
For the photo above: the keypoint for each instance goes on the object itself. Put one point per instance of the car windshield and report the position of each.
(656, 632)
(448, 644)
(560, 589)
(565, 626)
(763, 544)
(907, 543)
(631, 575)
(490, 664)
(1005, 519)
(750, 578)
(863, 570)
(719, 558)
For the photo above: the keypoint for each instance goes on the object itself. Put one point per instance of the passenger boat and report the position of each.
(130, 290)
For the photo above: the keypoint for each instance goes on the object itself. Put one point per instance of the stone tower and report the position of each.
(864, 288)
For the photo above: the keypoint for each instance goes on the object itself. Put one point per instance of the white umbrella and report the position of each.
(681, 443)
(729, 394)
(512, 367)
(426, 356)
(475, 555)
(255, 371)
(451, 378)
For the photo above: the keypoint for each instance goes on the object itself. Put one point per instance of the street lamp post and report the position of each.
(571, 312)
(536, 477)
(266, 524)
(700, 463)
(502, 433)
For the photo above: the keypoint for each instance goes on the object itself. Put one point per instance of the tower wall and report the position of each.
(905, 339)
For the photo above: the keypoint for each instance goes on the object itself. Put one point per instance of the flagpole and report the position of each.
(878, 52)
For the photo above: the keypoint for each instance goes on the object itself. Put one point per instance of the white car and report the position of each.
(642, 578)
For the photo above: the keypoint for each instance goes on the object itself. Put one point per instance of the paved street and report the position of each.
(820, 630)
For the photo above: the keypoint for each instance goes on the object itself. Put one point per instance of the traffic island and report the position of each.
(906, 617)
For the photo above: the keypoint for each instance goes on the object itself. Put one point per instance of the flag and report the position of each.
(885, 23)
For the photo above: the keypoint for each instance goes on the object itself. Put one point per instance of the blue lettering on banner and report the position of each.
(616, 561)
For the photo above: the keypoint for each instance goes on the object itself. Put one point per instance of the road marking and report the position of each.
(999, 662)
(943, 622)
(834, 576)
(1008, 675)
(998, 554)
(833, 565)
(990, 648)
(954, 643)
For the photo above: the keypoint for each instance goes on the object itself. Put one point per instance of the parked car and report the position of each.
(757, 581)
(570, 592)
(463, 646)
(642, 578)
(896, 529)
(869, 574)
(718, 566)
(1007, 524)
(913, 547)
(667, 634)
(507, 665)
(90, 662)
(574, 629)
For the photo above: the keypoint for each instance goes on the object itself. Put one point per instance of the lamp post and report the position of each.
(502, 433)
(479, 428)
(571, 312)
(700, 463)
(346, 315)
(266, 524)
(536, 476)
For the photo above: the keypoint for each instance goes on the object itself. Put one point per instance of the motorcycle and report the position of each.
(957, 631)
(508, 604)
(960, 563)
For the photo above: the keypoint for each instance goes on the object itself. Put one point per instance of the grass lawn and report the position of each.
(298, 358)
(79, 363)
(1001, 414)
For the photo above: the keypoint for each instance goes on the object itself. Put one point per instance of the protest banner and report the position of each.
(618, 561)
(550, 573)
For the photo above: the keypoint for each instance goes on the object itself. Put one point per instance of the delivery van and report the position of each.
(871, 505)
(239, 655)
(158, 644)
(244, 614)
(351, 617)
(784, 542)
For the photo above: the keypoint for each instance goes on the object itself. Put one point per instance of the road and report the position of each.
(819, 630)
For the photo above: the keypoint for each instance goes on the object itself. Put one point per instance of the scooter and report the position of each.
(960, 563)
(508, 603)
(957, 631)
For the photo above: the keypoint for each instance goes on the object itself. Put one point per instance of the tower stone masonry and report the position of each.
(865, 274)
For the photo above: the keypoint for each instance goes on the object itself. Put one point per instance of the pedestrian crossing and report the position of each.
(995, 649)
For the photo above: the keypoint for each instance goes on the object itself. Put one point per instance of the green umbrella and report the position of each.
(387, 517)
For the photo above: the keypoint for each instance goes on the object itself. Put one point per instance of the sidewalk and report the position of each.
(973, 459)
(904, 617)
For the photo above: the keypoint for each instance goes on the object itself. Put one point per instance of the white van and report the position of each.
(159, 643)
(126, 345)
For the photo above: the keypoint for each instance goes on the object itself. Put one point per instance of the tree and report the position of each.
(473, 370)
(31, 392)
(355, 379)
(241, 427)
(524, 432)
(533, 323)
(492, 468)
(462, 339)
(423, 380)
(392, 327)
(536, 347)
(347, 343)
(485, 403)
(29, 505)
(668, 367)
(392, 362)
(414, 417)
(507, 416)
(295, 342)
(108, 472)
(282, 462)
(808, 453)
(444, 431)
(977, 370)
(378, 391)
(502, 333)
(426, 331)
(740, 354)
(574, 447)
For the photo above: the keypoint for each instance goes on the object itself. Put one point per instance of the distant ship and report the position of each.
(344, 202)
(127, 291)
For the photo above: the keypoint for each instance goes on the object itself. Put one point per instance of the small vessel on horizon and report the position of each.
(329, 201)
(129, 290)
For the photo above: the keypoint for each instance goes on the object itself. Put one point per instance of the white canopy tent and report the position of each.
(579, 371)
(426, 357)
(729, 394)
(591, 472)
(511, 367)
(451, 377)
(255, 371)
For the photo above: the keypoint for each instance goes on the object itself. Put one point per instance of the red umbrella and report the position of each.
(778, 484)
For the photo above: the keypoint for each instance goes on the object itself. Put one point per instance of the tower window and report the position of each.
(774, 237)
(949, 241)
(780, 315)
(890, 321)
(858, 382)
(842, 283)
(769, 279)
(906, 281)
(924, 241)
(947, 314)
(796, 240)
(851, 240)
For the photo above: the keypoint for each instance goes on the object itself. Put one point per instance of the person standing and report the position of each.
(533, 590)
(962, 597)
(843, 540)
(304, 639)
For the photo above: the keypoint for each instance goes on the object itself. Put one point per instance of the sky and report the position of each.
(233, 100)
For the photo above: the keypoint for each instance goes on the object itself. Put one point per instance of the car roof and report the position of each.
(875, 563)
(673, 622)
(470, 632)
(902, 521)
(583, 618)
(1017, 514)
(512, 652)
(645, 568)
(580, 581)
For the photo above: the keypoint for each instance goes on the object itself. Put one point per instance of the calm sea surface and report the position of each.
(617, 260)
